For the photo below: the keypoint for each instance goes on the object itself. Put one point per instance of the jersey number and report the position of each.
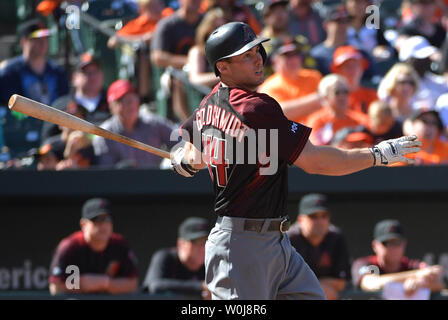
(215, 156)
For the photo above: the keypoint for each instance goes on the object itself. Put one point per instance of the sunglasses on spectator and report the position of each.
(430, 123)
(101, 218)
(392, 243)
(339, 92)
(409, 82)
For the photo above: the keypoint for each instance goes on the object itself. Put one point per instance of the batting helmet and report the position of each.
(229, 40)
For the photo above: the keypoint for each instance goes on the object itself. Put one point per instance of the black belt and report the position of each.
(275, 225)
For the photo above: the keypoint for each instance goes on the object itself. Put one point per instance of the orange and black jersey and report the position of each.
(247, 143)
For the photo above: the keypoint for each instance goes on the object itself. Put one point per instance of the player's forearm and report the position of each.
(376, 282)
(336, 284)
(122, 285)
(337, 162)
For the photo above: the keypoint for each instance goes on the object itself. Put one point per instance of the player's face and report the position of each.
(98, 229)
(390, 251)
(192, 253)
(243, 71)
(315, 224)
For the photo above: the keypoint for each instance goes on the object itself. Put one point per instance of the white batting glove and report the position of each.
(394, 150)
(179, 165)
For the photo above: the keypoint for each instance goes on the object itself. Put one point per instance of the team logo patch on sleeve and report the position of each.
(294, 127)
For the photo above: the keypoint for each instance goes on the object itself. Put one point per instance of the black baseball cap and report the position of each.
(86, 59)
(421, 111)
(94, 207)
(388, 229)
(32, 29)
(312, 203)
(273, 3)
(193, 228)
(283, 46)
(52, 145)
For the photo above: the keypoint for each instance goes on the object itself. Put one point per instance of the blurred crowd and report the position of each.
(356, 71)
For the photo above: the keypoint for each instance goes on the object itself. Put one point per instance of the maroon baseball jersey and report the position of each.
(117, 260)
(247, 143)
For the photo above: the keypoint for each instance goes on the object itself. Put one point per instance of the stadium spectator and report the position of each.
(142, 28)
(48, 155)
(234, 11)
(336, 114)
(134, 122)
(306, 21)
(71, 149)
(199, 71)
(335, 23)
(138, 33)
(88, 93)
(173, 38)
(418, 53)
(389, 246)
(363, 36)
(351, 138)
(294, 87)
(175, 35)
(34, 76)
(276, 21)
(321, 244)
(350, 63)
(383, 125)
(397, 88)
(180, 270)
(442, 109)
(276, 28)
(428, 127)
(105, 262)
(421, 23)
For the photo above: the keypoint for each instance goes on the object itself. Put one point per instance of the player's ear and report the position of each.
(223, 66)
(82, 223)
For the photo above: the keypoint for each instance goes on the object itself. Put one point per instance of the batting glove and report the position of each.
(394, 150)
(179, 165)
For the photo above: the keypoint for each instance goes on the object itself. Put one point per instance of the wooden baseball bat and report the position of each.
(43, 112)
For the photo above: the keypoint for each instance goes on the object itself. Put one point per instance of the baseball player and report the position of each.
(248, 255)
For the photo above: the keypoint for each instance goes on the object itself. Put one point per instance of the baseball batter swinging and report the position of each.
(248, 255)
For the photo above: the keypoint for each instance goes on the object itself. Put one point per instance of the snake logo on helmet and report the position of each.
(229, 40)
